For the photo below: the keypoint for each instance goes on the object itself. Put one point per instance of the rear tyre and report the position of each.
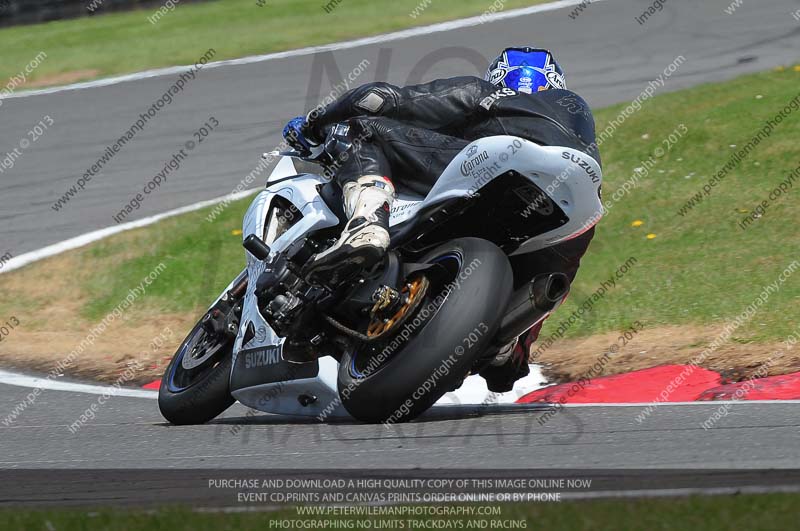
(400, 378)
(195, 387)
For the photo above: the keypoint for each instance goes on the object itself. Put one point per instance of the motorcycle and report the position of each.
(386, 345)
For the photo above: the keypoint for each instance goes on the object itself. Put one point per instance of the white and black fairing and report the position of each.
(513, 192)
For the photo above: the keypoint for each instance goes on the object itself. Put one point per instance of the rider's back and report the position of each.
(555, 117)
(469, 107)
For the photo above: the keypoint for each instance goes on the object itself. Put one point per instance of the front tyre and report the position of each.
(195, 386)
(403, 376)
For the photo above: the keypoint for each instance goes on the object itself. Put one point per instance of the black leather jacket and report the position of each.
(469, 107)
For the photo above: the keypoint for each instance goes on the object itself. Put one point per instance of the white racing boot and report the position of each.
(367, 203)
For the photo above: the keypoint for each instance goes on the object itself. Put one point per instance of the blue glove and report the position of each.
(294, 133)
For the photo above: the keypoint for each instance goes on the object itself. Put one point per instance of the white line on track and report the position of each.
(386, 37)
(22, 380)
(85, 239)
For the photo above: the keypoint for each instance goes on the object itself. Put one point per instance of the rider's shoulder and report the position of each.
(468, 80)
(560, 96)
(560, 100)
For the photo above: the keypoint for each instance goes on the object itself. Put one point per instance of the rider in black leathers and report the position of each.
(404, 137)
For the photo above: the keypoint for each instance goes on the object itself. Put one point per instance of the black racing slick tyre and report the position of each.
(396, 380)
(199, 393)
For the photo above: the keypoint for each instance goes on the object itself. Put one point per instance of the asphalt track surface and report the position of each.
(130, 433)
(610, 58)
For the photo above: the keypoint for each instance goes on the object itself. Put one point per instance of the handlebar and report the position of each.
(336, 142)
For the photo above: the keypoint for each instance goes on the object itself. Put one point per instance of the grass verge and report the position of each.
(710, 513)
(117, 43)
(693, 273)
(700, 268)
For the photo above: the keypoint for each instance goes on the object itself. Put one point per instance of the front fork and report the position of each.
(223, 316)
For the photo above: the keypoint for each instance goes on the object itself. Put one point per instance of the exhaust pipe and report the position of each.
(548, 290)
(530, 303)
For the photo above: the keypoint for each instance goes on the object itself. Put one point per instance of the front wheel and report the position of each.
(436, 347)
(195, 386)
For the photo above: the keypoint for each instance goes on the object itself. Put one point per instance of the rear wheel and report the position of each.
(436, 345)
(195, 386)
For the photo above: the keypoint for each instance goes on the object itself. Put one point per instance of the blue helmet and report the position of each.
(526, 70)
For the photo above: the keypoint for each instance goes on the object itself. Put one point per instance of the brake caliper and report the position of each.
(392, 307)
